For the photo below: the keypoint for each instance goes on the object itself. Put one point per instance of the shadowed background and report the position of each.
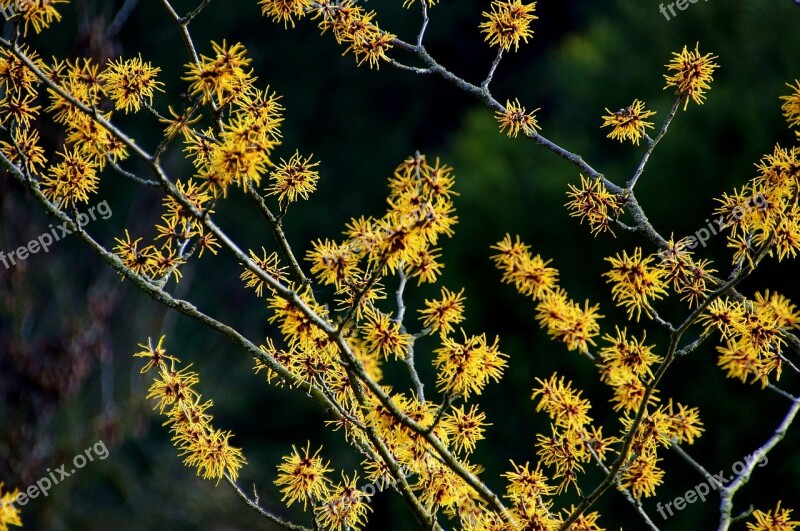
(68, 326)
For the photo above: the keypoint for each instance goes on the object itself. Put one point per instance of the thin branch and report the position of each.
(423, 516)
(492, 69)
(185, 21)
(637, 504)
(652, 144)
(414, 69)
(121, 18)
(425, 21)
(401, 313)
(484, 95)
(783, 393)
(694, 464)
(675, 338)
(132, 176)
(254, 504)
(728, 492)
(277, 231)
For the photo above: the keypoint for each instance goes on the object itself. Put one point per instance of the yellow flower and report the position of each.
(508, 23)
(565, 451)
(529, 274)
(130, 82)
(344, 508)
(302, 477)
(71, 180)
(441, 315)
(285, 10)
(514, 118)
(18, 109)
(156, 355)
(775, 520)
(642, 477)
(173, 386)
(133, 257)
(39, 14)
(692, 74)
(383, 335)
(791, 105)
(213, 457)
(370, 46)
(333, 263)
(685, 423)
(629, 353)
(31, 153)
(585, 522)
(464, 427)
(628, 122)
(294, 179)
(466, 367)
(524, 484)
(567, 322)
(270, 265)
(636, 282)
(9, 514)
(221, 78)
(14, 74)
(594, 203)
(563, 404)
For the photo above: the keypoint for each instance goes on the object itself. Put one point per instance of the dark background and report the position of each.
(68, 326)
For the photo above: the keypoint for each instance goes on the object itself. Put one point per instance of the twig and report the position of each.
(254, 504)
(675, 338)
(415, 69)
(128, 175)
(425, 20)
(121, 18)
(728, 492)
(277, 231)
(492, 69)
(652, 144)
(401, 313)
(637, 504)
(781, 392)
(694, 464)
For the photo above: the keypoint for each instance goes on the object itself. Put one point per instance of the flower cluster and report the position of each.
(564, 319)
(351, 25)
(594, 203)
(204, 447)
(763, 216)
(752, 331)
